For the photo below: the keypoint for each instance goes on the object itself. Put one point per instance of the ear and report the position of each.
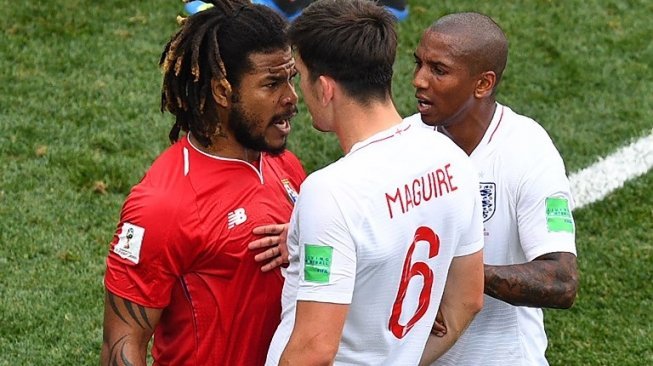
(485, 84)
(326, 89)
(221, 91)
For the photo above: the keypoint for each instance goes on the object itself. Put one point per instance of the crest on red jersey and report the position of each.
(290, 190)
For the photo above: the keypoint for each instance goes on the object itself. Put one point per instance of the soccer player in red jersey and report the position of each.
(178, 266)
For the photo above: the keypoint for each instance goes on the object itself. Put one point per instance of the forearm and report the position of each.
(461, 301)
(549, 281)
(123, 351)
(309, 355)
(128, 328)
(437, 346)
(316, 335)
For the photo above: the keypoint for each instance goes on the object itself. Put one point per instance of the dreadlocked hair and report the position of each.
(214, 44)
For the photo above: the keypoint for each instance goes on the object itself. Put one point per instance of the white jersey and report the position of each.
(378, 230)
(527, 213)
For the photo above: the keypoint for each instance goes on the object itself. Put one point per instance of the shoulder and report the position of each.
(150, 199)
(416, 120)
(523, 141)
(152, 205)
(322, 179)
(524, 132)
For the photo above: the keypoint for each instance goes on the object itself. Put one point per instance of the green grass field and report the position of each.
(80, 123)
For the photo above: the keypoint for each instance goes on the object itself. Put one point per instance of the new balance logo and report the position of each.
(236, 217)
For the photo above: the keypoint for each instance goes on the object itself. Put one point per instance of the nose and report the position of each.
(419, 82)
(290, 97)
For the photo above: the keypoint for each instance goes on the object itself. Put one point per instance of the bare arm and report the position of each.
(316, 336)
(128, 328)
(274, 243)
(549, 281)
(461, 300)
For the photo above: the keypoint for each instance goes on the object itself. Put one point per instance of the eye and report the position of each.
(272, 84)
(437, 70)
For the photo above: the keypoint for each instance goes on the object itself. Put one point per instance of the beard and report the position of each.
(243, 125)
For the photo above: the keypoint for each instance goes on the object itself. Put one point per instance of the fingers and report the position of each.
(275, 251)
(274, 263)
(274, 257)
(265, 242)
(439, 329)
(268, 254)
(273, 229)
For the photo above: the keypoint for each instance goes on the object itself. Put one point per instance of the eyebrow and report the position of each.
(289, 66)
(428, 62)
(281, 75)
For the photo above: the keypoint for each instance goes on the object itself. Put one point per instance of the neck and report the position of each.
(469, 131)
(226, 147)
(354, 122)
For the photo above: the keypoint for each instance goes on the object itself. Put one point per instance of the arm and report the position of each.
(128, 328)
(461, 300)
(549, 281)
(316, 335)
(274, 243)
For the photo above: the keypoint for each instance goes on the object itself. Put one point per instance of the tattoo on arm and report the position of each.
(549, 281)
(118, 350)
(132, 314)
(128, 329)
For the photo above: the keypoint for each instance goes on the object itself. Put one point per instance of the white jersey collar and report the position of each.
(495, 124)
(382, 135)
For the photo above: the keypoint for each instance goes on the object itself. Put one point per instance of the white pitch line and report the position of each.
(610, 173)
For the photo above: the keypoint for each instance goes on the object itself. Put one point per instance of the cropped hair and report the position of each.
(352, 41)
(482, 44)
(214, 44)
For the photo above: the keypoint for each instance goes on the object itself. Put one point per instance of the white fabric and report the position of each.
(519, 167)
(345, 206)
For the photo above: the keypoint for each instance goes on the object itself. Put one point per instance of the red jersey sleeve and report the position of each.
(151, 247)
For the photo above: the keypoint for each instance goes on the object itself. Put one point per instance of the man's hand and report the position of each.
(439, 329)
(275, 251)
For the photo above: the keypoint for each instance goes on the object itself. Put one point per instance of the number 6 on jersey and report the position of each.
(427, 235)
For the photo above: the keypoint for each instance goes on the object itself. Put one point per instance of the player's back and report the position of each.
(406, 200)
(415, 196)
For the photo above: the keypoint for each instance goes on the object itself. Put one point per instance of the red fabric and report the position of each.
(220, 309)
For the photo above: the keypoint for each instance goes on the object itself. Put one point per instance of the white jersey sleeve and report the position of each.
(544, 204)
(471, 239)
(327, 254)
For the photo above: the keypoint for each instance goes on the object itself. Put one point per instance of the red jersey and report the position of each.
(181, 246)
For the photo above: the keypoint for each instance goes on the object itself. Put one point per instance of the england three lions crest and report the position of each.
(488, 199)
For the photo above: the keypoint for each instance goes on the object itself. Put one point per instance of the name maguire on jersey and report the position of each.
(431, 185)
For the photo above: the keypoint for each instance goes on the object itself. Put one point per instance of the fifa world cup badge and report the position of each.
(129, 242)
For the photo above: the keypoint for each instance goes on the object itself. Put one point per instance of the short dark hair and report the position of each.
(482, 44)
(352, 41)
(214, 44)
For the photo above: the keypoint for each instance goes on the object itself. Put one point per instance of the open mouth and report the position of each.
(283, 122)
(423, 105)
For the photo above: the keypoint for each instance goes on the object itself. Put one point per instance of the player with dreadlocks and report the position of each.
(178, 265)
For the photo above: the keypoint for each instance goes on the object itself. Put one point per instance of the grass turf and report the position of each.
(80, 123)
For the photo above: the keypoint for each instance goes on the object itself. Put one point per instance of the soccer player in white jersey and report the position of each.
(384, 234)
(530, 254)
